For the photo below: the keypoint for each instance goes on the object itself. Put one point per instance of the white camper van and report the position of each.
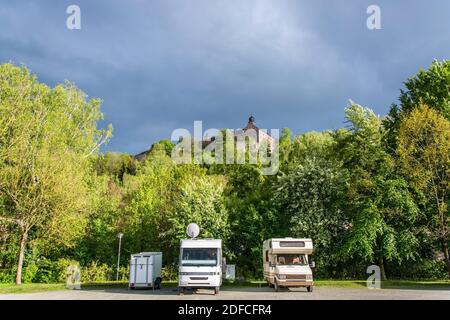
(286, 263)
(145, 270)
(200, 264)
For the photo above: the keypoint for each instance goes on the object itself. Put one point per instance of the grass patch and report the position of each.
(388, 284)
(355, 284)
(416, 284)
(241, 284)
(104, 285)
(6, 288)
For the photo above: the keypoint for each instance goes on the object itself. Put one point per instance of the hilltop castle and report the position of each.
(251, 130)
(258, 135)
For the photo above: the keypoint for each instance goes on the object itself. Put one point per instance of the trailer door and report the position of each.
(141, 270)
(132, 270)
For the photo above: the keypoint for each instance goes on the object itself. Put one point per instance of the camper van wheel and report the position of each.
(216, 290)
(180, 291)
(276, 286)
(310, 288)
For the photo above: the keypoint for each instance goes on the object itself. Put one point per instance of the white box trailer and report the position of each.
(145, 270)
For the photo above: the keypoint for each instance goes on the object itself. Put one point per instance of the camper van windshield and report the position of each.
(290, 259)
(199, 257)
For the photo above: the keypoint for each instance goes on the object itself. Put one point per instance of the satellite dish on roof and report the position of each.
(193, 230)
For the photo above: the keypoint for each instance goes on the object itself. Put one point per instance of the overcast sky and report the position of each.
(160, 65)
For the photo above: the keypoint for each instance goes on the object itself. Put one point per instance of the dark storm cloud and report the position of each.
(160, 65)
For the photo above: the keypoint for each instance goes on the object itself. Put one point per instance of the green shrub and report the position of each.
(7, 276)
(169, 273)
(29, 273)
(61, 269)
(124, 273)
(48, 271)
(95, 272)
(423, 269)
(45, 272)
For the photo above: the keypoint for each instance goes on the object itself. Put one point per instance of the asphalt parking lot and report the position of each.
(251, 293)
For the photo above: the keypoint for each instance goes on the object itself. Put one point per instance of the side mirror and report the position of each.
(312, 264)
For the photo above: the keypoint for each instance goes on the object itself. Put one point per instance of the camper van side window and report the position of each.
(267, 255)
(299, 244)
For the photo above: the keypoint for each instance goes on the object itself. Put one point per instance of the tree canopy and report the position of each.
(375, 191)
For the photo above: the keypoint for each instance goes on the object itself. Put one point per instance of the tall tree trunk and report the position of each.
(380, 257)
(446, 255)
(382, 271)
(23, 242)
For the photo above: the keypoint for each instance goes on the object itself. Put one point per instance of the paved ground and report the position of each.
(263, 293)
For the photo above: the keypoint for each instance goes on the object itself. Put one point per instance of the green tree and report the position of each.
(46, 138)
(309, 198)
(424, 153)
(431, 87)
(105, 220)
(381, 209)
(163, 198)
(150, 203)
(115, 164)
(285, 146)
(311, 145)
(165, 145)
(199, 200)
(252, 217)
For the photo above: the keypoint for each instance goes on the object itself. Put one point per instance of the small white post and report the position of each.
(120, 235)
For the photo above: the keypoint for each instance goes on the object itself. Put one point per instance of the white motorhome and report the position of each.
(145, 270)
(286, 263)
(200, 264)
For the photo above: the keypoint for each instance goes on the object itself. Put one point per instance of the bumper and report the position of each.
(295, 283)
(199, 281)
(140, 285)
